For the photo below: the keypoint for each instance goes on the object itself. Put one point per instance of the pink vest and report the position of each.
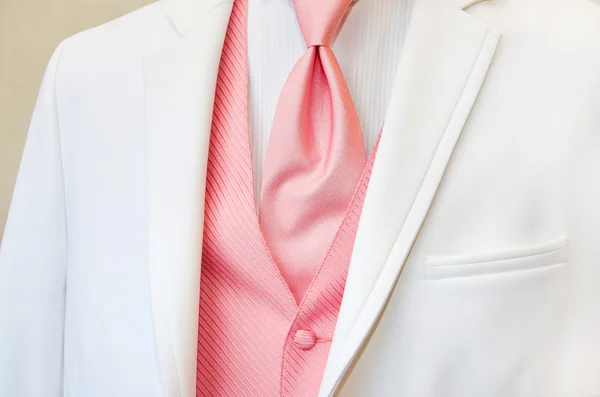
(254, 339)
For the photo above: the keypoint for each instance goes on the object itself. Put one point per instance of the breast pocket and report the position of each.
(524, 258)
(494, 323)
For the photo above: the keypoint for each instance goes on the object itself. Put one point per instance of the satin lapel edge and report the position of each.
(180, 84)
(351, 336)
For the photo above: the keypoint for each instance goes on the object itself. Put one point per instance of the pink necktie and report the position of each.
(315, 154)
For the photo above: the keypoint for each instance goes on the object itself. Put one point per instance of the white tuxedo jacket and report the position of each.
(476, 270)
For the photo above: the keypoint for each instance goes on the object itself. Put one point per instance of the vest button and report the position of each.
(305, 339)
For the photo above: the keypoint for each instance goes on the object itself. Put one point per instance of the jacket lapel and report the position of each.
(444, 62)
(180, 87)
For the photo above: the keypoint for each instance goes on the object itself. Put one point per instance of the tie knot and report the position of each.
(319, 20)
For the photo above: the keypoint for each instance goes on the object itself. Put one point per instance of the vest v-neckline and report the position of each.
(256, 222)
(250, 323)
(248, 172)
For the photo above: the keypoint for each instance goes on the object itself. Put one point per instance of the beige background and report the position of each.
(29, 32)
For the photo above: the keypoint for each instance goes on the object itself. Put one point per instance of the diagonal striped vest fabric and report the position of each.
(254, 338)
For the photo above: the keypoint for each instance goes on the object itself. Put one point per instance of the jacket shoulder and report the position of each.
(107, 60)
(134, 33)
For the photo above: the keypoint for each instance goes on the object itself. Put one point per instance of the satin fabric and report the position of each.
(315, 154)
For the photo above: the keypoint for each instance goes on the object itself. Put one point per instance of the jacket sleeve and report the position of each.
(33, 259)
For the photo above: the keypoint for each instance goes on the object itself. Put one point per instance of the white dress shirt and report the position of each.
(367, 48)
